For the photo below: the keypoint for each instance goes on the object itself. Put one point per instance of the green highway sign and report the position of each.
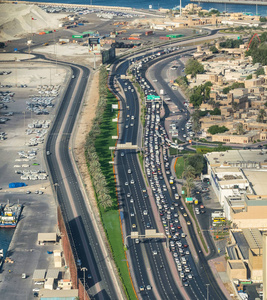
(188, 200)
(152, 97)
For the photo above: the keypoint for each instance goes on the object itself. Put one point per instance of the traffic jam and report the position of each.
(155, 139)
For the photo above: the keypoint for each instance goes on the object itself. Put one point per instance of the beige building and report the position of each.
(236, 269)
(246, 138)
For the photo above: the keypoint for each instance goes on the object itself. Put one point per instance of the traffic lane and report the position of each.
(166, 284)
(166, 280)
(76, 194)
(90, 252)
(65, 145)
(137, 255)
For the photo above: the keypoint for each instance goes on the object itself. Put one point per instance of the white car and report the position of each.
(145, 212)
(35, 290)
(132, 181)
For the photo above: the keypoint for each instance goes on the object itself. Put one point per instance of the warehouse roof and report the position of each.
(52, 273)
(39, 275)
(47, 237)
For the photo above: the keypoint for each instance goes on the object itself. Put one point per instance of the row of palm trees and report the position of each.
(98, 178)
(188, 175)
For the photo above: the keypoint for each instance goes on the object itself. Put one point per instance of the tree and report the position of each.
(235, 106)
(240, 129)
(193, 67)
(213, 49)
(226, 90)
(196, 162)
(189, 185)
(195, 116)
(215, 112)
(260, 71)
(189, 172)
(217, 129)
(261, 116)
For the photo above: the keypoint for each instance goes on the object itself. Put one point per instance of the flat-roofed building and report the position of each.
(238, 178)
(236, 269)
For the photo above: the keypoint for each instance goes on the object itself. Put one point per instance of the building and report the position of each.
(238, 178)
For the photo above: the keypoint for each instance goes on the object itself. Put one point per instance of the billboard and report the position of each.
(108, 55)
(93, 41)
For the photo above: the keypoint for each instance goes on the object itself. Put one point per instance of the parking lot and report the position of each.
(30, 94)
(27, 110)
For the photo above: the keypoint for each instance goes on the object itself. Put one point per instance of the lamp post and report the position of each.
(84, 270)
(207, 284)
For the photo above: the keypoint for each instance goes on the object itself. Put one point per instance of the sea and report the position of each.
(5, 238)
(170, 4)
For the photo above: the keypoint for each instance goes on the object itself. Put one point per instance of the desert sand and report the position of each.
(17, 20)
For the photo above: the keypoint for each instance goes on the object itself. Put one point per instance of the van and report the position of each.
(23, 276)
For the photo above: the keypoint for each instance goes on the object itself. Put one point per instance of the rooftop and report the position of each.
(241, 243)
(258, 179)
(246, 159)
(236, 265)
(253, 237)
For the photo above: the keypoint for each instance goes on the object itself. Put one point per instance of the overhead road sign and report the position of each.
(152, 98)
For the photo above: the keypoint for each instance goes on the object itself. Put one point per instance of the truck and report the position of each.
(149, 32)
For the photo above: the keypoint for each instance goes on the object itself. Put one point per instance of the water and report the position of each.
(5, 238)
(262, 10)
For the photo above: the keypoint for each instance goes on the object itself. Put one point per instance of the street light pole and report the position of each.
(84, 270)
(207, 284)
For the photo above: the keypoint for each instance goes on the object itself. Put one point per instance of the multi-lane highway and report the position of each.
(136, 203)
(85, 242)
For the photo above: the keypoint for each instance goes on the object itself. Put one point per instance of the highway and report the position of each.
(84, 240)
(134, 209)
(134, 202)
(204, 275)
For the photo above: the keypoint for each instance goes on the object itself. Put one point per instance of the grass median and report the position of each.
(110, 216)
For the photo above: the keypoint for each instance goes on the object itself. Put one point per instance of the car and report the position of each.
(131, 124)
(202, 211)
(141, 288)
(202, 206)
(133, 225)
(132, 214)
(126, 126)
(129, 171)
(145, 212)
(122, 153)
(148, 225)
(148, 287)
(38, 282)
(132, 181)
(185, 214)
(189, 276)
(181, 207)
(185, 283)
(126, 183)
(35, 290)
(89, 276)
(188, 223)
(131, 200)
(137, 241)
(35, 295)
(181, 274)
(28, 192)
(154, 252)
(128, 195)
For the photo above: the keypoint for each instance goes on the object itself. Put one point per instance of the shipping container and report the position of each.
(64, 40)
(80, 24)
(76, 36)
(164, 38)
(149, 32)
(41, 33)
(48, 31)
(133, 38)
(88, 32)
(174, 36)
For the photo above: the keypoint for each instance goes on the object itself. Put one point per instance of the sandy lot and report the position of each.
(16, 20)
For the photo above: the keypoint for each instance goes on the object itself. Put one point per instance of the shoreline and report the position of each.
(237, 2)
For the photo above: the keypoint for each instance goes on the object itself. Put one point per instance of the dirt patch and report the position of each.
(219, 266)
(84, 126)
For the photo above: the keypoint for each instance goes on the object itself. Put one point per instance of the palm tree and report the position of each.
(195, 119)
(261, 116)
(189, 172)
(240, 129)
(235, 106)
(189, 184)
